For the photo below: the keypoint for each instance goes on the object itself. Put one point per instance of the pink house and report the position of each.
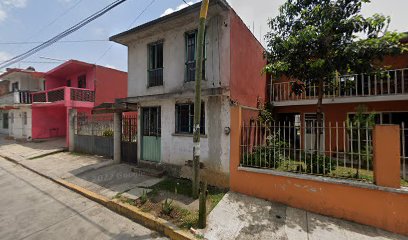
(73, 85)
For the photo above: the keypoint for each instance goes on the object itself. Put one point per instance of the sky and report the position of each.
(40, 20)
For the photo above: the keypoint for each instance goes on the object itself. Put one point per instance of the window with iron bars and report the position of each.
(155, 71)
(185, 118)
(191, 45)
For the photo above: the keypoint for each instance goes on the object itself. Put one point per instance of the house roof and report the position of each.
(184, 11)
(69, 67)
(73, 66)
(18, 70)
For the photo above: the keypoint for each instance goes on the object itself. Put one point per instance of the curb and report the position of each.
(135, 214)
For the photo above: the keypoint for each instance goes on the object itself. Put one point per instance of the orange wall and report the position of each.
(110, 84)
(247, 83)
(383, 209)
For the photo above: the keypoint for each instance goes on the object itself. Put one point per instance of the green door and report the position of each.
(151, 135)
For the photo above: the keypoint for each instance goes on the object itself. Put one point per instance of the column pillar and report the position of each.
(72, 118)
(386, 154)
(117, 136)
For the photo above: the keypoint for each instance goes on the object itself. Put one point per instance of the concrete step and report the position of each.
(149, 171)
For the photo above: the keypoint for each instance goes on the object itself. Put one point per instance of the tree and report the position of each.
(313, 41)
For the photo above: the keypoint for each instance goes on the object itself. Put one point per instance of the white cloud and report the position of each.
(15, 3)
(4, 56)
(7, 5)
(179, 7)
(3, 15)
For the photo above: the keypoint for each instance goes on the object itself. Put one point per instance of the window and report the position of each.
(14, 87)
(5, 121)
(155, 71)
(12, 117)
(82, 81)
(191, 42)
(185, 118)
(68, 83)
(24, 118)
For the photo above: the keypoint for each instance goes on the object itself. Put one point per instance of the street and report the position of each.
(32, 207)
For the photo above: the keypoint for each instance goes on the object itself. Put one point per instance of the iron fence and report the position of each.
(392, 82)
(340, 150)
(94, 125)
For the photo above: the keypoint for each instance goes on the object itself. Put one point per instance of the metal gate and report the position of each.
(94, 134)
(129, 138)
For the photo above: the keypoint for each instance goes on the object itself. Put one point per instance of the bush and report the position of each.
(318, 164)
(167, 206)
(144, 197)
(270, 155)
(107, 133)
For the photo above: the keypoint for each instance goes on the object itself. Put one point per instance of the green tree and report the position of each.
(313, 41)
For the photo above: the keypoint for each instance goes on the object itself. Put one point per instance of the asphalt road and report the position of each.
(32, 207)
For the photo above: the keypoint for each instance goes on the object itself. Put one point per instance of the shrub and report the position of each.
(107, 133)
(167, 206)
(144, 197)
(270, 155)
(318, 164)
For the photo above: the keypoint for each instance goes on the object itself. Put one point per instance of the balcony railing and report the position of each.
(64, 94)
(393, 82)
(155, 77)
(20, 97)
(82, 95)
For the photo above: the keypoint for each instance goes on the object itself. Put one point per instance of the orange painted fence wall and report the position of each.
(383, 205)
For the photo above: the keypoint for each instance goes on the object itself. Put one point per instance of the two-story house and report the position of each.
(162, 58)
(383, 94)
(73, 85)
(15, 102)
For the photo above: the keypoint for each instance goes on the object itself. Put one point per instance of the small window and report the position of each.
(82, 81)
(68, 83)
(14, 87)
(24, 118)
(12, 117)
(185, 118)
(155, 71)
(5, 121)
(191, 42)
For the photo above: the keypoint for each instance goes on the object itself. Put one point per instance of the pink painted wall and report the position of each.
(247, 83)
(110, 84)
(55, 82)
(48, 122)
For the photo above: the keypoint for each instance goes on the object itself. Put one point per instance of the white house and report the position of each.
(15, 102)
(161, 59)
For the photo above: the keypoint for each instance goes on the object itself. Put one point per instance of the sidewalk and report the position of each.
(239, 216)
(28, 150)
(97, 174)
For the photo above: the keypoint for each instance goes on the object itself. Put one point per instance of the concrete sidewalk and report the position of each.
(239, 216)
(97, 174)
(22, 150)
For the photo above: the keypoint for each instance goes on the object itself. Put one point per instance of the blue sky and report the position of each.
(28, 20)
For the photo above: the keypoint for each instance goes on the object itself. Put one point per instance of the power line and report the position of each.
(134, 20)
(61, 35)
(67, 41)
(58, 17)
(52, 22)
(186, 2)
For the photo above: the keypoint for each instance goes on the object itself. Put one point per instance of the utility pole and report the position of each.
(197, 102)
